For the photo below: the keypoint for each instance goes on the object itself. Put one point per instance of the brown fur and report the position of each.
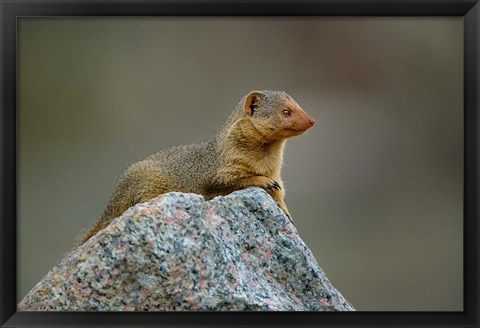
(247, 151)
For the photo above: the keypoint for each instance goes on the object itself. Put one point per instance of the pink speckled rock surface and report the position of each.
(178, 252)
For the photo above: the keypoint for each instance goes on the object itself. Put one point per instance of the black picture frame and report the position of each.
(11, 10)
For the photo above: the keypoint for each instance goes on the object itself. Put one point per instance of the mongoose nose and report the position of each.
(311, 121)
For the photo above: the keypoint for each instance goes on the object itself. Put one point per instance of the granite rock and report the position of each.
(178, 252)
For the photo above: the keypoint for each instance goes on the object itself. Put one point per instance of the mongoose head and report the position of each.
(276, 115)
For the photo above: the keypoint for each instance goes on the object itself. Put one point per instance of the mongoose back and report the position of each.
(247, 151)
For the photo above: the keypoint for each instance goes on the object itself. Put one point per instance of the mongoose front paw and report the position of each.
(262, 182)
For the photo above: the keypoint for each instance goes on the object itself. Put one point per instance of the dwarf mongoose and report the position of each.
(247, 151)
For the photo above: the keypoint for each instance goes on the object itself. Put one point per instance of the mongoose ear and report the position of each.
(252, 101)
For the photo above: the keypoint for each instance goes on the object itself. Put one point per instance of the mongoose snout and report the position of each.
(305, 122)
(246, 152)
(293, 118)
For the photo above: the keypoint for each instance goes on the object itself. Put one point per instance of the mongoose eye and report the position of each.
(287, 112)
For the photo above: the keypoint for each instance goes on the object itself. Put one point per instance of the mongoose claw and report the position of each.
(274, 185)
(290, 218)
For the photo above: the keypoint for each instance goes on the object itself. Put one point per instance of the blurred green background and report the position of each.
(375, 188)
